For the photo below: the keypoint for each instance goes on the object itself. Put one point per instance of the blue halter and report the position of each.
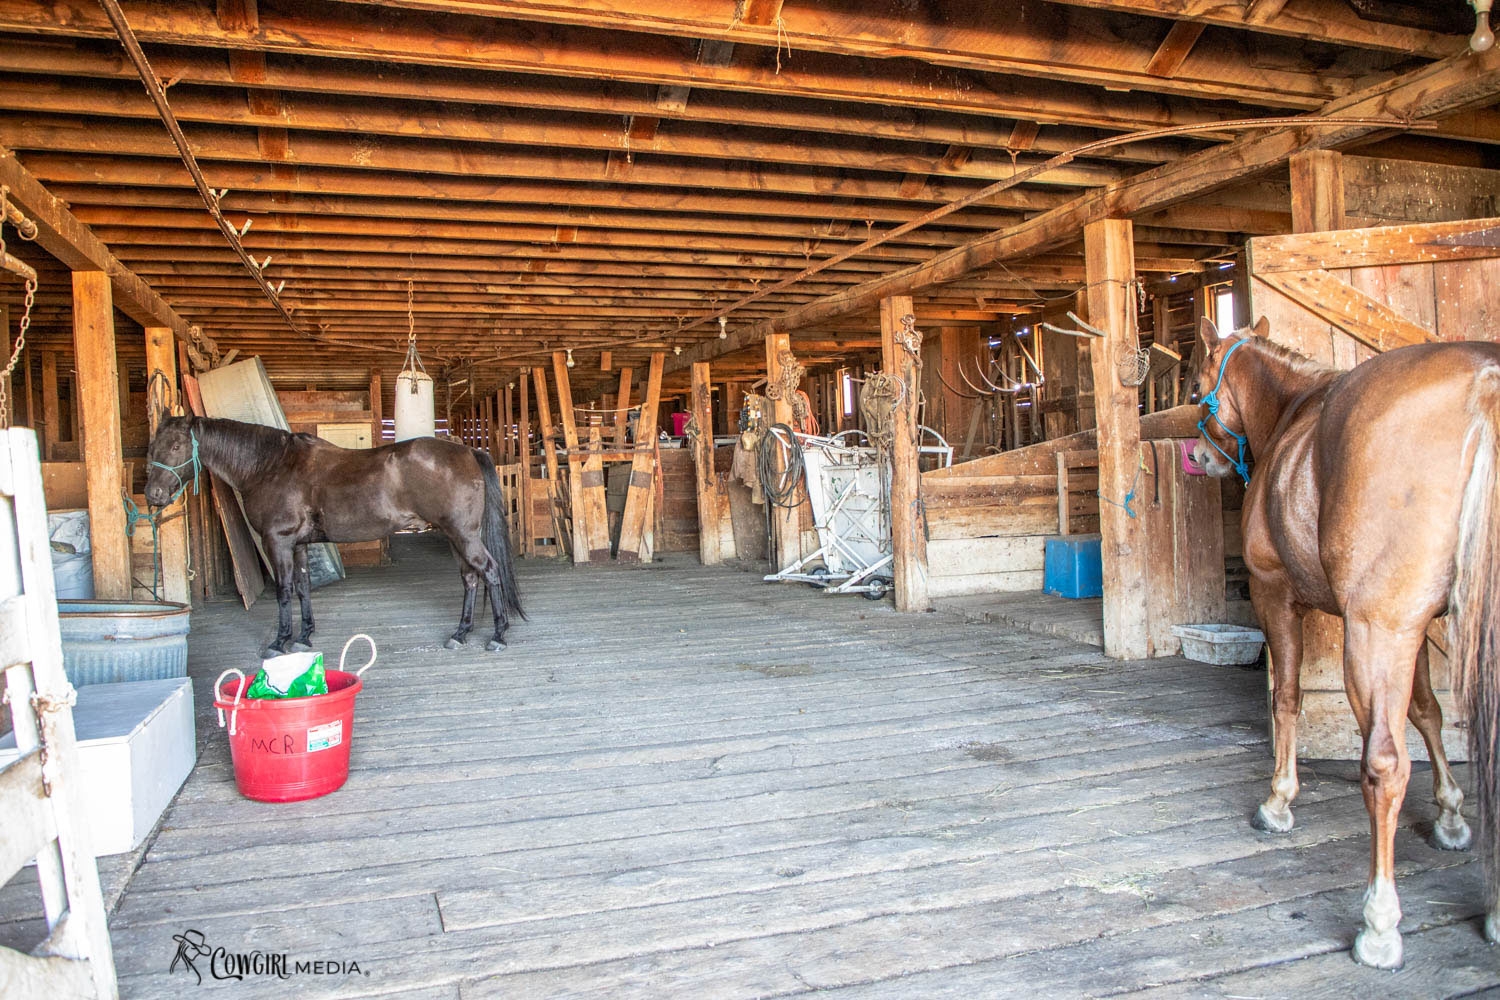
(1212, 402)
(175, 470)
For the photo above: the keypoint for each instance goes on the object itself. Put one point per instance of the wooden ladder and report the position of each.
(41, 797)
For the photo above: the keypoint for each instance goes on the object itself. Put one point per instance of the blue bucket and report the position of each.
(108, 642)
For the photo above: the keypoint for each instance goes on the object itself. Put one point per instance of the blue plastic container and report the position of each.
(108, 642)
(1073, 567)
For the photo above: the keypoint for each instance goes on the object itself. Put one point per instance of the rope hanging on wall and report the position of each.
(784, 389)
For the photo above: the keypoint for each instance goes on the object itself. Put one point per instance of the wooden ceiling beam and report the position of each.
(355, 78)
(803, 27)
(1324, 21)
(1077, 63)
(187, 227)
(486, 222)
(359, 119)
(131, 138)
(326, 185)
(958, 34)
(599, 246)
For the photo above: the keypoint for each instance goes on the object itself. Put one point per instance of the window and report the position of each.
(848, 395)
(1224, 309)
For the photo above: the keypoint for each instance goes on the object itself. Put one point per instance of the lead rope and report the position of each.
(22, 228)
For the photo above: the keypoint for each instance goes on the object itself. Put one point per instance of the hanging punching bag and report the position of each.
(414, 405)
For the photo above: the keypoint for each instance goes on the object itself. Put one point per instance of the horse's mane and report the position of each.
(1300, 364)
(244, 451)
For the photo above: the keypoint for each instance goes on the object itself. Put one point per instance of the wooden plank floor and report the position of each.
(684, 782)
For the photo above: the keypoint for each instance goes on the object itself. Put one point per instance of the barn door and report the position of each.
(1341, 297)
(40, 796)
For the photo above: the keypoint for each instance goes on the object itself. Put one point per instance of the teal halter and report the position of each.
(175, 470)
(1241, 466)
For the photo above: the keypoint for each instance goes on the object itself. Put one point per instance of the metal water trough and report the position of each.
(107, 642)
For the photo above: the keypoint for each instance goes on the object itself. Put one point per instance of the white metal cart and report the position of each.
(843, 486)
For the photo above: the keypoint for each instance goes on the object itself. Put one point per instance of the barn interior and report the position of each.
(624, 242)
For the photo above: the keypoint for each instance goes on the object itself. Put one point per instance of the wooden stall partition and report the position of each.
(715, 529)
(641, 493)
(988, 533)
(95, 356)
(589, 519)
(1341, 297)
(553, 488)
(161, 358)
(902, 358)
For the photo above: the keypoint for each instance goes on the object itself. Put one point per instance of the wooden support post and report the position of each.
(1317, 191)
(172, 540)
(377, 414)
(622, 405)
(523, 481)
(575, 460)
(908, 522)
(633, 525)
(97, 386)
(506, 423)
(586, 495)
(51, 409)
(549, 455)
(786, 531)
(124, 372)
(734, 402)
(1109, 269)
(714, 528)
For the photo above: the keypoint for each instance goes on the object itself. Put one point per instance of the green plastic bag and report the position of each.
(295, 675)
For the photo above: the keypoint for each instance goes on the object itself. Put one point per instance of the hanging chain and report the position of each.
(26, 229)
(413, 362)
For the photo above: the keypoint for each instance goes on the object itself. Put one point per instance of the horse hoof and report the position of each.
(1492, 928)
(453, 644)
(299, 647)
(1272, 822)
(1378, 950)
(1451, 836)
(494, 646)
(271, 652)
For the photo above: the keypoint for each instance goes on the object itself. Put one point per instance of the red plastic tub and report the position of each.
(289, 749)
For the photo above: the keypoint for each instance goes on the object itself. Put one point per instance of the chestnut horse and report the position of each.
(1372, 499)
(299, 489)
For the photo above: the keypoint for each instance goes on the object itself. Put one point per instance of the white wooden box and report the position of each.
(136, 747)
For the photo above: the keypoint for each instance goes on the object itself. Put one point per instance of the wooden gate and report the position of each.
(40, 795)
(1341, 297)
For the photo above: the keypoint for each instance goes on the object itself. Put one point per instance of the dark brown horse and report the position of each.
(1373, 499)
(299, 489)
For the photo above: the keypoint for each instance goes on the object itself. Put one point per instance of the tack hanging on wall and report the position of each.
(415, 409)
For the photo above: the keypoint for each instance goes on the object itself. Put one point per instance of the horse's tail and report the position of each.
(1474, 615)
(496, 533)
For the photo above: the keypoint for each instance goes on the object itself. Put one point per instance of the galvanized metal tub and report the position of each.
(106, 642)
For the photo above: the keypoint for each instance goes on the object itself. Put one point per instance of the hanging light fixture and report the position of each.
(570, 356)
(1483, 38)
